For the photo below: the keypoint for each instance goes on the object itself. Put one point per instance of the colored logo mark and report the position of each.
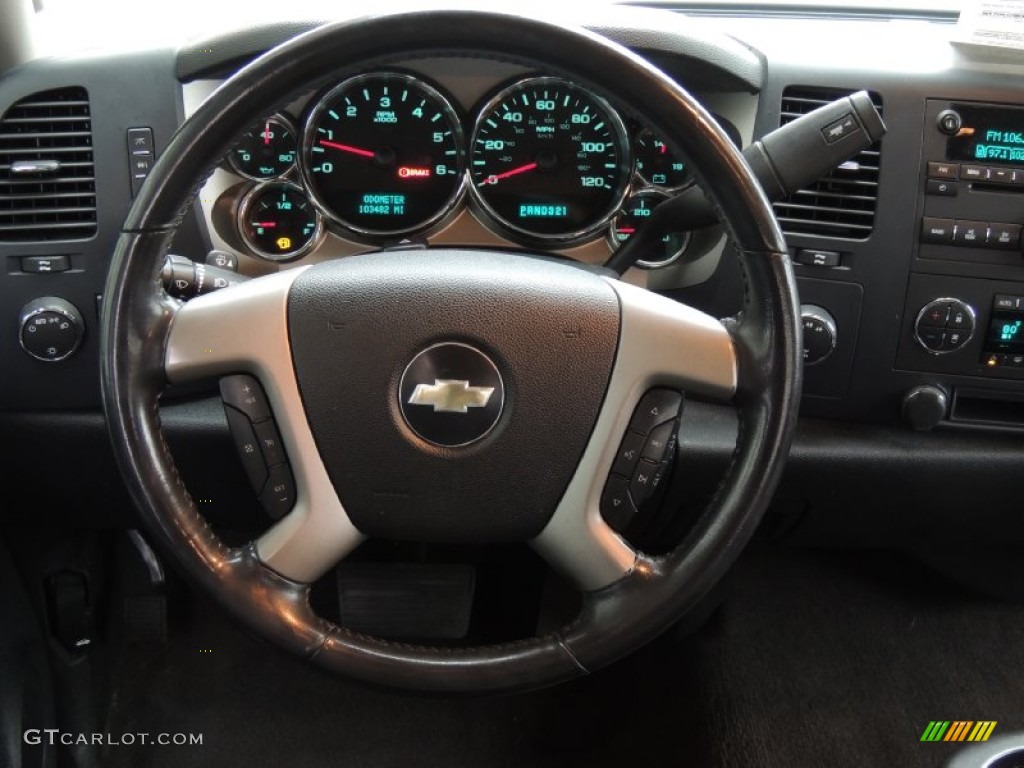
(958, 730)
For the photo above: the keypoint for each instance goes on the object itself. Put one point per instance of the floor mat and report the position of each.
(817, 659)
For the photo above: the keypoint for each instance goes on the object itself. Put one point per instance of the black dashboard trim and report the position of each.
(714, 59)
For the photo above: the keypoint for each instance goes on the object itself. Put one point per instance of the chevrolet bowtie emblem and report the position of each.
(451, 395)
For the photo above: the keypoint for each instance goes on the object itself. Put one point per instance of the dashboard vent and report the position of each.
(841, 204)
(47, 177)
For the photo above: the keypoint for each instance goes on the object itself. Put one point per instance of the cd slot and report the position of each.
(985, 186)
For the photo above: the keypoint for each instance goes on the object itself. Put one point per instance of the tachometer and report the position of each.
(549, 160)
(383, 154)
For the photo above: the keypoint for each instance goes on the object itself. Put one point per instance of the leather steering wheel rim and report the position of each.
(615, 619)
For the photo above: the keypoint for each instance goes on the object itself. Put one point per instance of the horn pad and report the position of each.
(451, 393)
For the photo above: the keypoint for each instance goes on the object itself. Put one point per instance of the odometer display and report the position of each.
(383, 154)
(549, 160)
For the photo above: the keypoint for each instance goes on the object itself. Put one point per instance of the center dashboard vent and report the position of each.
(842, 203)
(47, 175)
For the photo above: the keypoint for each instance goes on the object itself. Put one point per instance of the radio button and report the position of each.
(1004, 236)
(1000, 175)
(971, 234)
(939, 231)
(940, 187)
(1018, 178)
(943, 170)
(974, 172)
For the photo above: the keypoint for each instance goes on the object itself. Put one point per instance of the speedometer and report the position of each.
(383, 154)
(549, 160)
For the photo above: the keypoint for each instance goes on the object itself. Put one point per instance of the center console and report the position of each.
(964, 313)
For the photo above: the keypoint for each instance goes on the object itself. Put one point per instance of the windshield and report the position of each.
(60, 23)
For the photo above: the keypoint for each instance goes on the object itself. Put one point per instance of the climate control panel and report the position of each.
(944, 325)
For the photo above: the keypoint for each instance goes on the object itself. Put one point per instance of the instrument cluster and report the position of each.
(386, 156)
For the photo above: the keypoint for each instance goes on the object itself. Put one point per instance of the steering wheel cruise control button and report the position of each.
(248, 448)
(245, 393)
(270, 442)
(278, 495)
(629, 454)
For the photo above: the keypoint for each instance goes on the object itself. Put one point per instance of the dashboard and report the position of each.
(908, 257)
(424, 153)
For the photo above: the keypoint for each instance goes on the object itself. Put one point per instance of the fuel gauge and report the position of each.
(278, 222)
(266, 151)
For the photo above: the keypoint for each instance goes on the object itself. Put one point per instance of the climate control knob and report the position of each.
(944, 325)
(50, 329)
(820, 334)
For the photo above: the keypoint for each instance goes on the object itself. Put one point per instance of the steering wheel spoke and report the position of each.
(662, 343)
(245, 328)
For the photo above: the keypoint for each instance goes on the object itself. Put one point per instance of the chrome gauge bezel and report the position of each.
(524, 234)
(644, 183)
(614, 243)
(242, 213)
(320, 104)
(290, 124)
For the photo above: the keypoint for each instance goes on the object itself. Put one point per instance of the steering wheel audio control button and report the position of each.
(660, 441)
(642, 485)
(616, 505)
(656, 407)
(643, 459)
(629, 454)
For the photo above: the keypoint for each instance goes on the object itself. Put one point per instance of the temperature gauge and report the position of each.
(634, 213)
(278, 222)
(266, 151)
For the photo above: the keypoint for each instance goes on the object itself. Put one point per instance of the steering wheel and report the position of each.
(573, 352)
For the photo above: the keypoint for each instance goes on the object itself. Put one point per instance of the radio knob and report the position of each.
(924, 407)
(820, 334)
(950, 122)
(50, 329)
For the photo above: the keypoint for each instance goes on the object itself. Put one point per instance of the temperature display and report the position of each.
(1006, 332)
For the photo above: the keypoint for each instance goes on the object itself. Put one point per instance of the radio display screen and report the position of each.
(989, 135)
(1005, 332)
